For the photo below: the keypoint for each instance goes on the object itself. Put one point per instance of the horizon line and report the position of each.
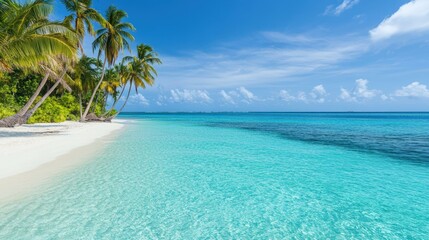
(142, 112)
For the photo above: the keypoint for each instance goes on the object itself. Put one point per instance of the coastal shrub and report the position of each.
(8, 91)
(50, 111)
(57, 109)
(72, 104)
(6, 111)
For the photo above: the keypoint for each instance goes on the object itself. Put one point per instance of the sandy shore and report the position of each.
(25, 148)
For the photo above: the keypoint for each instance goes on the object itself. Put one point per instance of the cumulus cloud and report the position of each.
(241, 94)
(362, 90)
(302, 96)
(139, 99)
(346, 4)
(414, 89)
(227, 97)
(317, 94)
(247, 95)
(411, 17)
(285, 96)
(186, 95)
(346, 95)
(359, 93)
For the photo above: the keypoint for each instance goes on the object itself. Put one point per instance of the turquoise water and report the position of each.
(241, 176)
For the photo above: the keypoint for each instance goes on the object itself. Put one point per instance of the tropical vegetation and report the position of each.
(45, 73)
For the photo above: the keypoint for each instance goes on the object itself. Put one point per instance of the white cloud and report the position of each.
(287, 38)
(247, 95)
(414, 89)
(346, 4)
(267, 62)
(285, 96)
(360, 92)
(384, 97)
(139, 99)
(186, 95)
(234, 94)
(345, 95)
(227, 97)
(411, 17)
(241, 94)
(302, 96)
(318, 93)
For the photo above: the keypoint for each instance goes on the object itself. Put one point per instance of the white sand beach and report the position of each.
(27, 147)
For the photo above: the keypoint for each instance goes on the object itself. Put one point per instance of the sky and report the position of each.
(281, 55)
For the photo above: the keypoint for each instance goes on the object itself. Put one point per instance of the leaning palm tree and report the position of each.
(81, 18)
(111, 40)
(147, 58)
(140, 74)
(60, 77)
(28, 40)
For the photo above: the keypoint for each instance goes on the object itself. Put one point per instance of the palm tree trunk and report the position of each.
(95, 91)
(16, 119)
(106, 95)
(115, 102)
(123, 105)
(95, 103)
(40, 102)
(80, 104)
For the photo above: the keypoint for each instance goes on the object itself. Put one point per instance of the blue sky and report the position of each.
(277, 55)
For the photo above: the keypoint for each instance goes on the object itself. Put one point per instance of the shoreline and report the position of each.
(42, 151)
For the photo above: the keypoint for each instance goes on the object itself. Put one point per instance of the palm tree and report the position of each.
(140, 74)
(85, 76)
(27, 37)
(82, 17)
(28, 40)
(139, 71)
(61, 78)
(111, 39)
(146, 54)
(110, 86)
(122, 71)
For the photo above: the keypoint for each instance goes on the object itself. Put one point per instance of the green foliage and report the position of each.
(6, 111)
(57, 109)
(8, 89)
(25, 86)
(27, 37)
(17, 87)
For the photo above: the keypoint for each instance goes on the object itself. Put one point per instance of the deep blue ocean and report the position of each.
(241, 176)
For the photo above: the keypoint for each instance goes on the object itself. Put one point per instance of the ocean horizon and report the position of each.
(244, 175)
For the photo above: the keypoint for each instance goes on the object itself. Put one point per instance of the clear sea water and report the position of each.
(241, 176)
